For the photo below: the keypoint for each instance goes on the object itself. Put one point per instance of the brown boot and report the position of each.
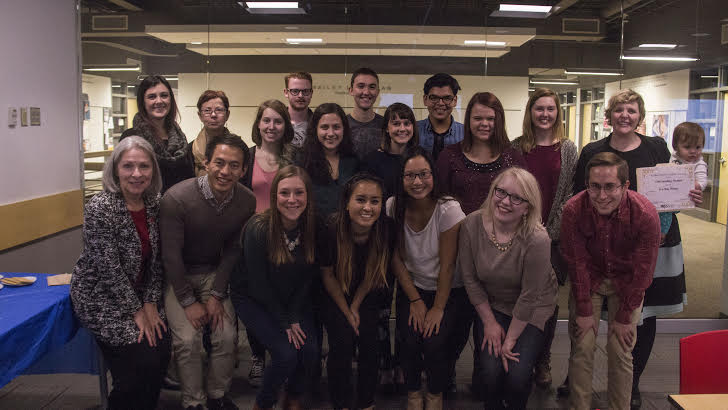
(433, 401)
(414, 400)
(542, 372)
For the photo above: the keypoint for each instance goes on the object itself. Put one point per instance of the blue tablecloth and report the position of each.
(36, 322)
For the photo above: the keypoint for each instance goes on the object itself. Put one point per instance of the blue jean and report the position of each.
(513, 387)
(286, 363)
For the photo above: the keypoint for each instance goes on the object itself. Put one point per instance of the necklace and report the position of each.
(500, 246)
(291, 244)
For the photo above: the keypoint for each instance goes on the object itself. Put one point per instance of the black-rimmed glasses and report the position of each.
(296, 91)
(423, 175)
(515, 199)
(448, 99)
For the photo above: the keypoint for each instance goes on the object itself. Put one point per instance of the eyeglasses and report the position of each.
(596, 189)
(218, 111)
(448, 99)
(295, 91)
(515, 199)
(423, 175)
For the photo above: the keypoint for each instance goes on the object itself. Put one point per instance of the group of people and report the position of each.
(329, 216)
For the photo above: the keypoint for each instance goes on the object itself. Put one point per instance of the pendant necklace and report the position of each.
(291, 244)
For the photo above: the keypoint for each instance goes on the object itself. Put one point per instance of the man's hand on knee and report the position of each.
(196, 315)
(625, 334)
(215, 313)
(585, 324)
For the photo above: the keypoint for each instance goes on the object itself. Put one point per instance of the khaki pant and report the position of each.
(581, 362)
(187, 346)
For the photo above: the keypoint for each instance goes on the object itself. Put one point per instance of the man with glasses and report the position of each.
(366, 125)
(440, 129)
(609, 238)
(299, 90)
(213, 109)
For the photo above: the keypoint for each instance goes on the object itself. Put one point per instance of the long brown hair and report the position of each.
(528, 140)
(498, 141)
(278, 253)
(375, 272)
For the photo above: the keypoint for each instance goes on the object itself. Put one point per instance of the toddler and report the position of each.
(688, 140)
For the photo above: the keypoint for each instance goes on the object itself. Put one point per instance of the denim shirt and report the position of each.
(427, 135)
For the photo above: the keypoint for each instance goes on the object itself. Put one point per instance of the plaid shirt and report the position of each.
(204, 183)
(621, 247)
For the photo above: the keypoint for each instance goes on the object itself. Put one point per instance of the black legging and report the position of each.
(642, 349)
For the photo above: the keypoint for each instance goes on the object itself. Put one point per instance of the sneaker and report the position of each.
(223, 403)
(255, 377)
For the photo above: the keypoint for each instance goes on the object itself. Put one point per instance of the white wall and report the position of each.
(39, 45)
(98, 90)
(246, 91)
(664, 94)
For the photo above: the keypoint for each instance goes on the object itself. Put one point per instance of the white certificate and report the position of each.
(667, 186)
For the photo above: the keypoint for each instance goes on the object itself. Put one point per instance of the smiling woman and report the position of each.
(156, 122)
(272, 134)
(116, 286)
(271, 287)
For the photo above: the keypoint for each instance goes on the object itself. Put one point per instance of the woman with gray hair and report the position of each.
(116, 288)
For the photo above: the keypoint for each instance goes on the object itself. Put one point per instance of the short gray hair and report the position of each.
(110, 176)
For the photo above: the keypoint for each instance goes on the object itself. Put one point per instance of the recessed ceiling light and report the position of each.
(112, 69)
(525, 8)
(271, 4)
(196, 43)
(291, 27)
(669, 46)
(708, 76)
(554, 82)
(659, 58)
(700, 34)
(304, 40)
(590, 72)
(484, 43)
(171, 77)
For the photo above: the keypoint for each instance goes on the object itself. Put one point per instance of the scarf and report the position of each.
(176, 146)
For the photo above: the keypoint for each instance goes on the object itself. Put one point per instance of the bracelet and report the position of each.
(413, 301)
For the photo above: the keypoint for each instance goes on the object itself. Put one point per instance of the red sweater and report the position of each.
(621, 247)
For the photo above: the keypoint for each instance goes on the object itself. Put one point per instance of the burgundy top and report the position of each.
(470, 181)
(544, 162)
(140, 221)
(621, 247)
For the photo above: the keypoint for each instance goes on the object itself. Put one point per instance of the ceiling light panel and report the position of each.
(271, 4)
(524, 8)
(663, 46)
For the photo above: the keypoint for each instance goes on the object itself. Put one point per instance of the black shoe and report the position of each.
(170, 384)
(223, 403)
(563, 390)
(636, 402)
(198, 407)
